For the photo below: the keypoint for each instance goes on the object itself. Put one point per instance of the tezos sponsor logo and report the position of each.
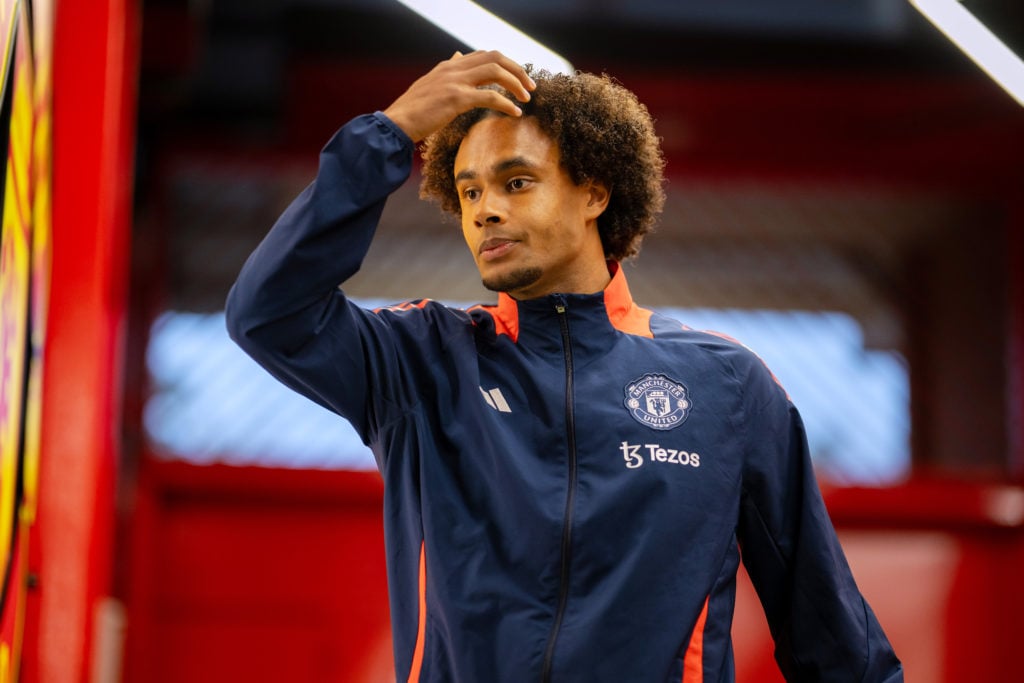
(657, 401)
(635, 454)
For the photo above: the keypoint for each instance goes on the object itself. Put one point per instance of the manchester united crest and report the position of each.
(657, 401)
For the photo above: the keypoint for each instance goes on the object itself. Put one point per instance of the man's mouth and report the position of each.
(496, 247)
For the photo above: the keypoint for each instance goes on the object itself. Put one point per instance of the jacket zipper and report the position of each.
(570, 421)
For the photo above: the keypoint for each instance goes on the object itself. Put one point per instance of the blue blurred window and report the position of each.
(212, 404)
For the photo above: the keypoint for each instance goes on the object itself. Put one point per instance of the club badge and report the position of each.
(657, 401)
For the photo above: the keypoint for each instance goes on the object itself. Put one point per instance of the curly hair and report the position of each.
(604, 134)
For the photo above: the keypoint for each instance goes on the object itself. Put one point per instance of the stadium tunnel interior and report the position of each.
(846, 159)
(838, 164)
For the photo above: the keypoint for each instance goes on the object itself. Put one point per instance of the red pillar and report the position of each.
(95, 72)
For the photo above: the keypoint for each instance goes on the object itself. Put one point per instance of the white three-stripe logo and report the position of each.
(495, 399)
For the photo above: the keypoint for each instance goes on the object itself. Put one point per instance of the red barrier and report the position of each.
(247, 574)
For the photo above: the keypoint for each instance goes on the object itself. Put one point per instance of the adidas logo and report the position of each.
(495, 399)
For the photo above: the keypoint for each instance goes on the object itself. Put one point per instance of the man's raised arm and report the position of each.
(287, 294)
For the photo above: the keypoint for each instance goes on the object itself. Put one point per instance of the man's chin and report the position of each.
(512, 281)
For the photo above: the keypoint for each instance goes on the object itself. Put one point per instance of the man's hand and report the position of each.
(454, 86)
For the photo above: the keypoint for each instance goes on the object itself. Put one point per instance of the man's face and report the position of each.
(531, 230)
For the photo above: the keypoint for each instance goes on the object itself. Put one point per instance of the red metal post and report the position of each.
(94, 74)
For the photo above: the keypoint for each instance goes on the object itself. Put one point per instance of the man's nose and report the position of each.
(488, 211)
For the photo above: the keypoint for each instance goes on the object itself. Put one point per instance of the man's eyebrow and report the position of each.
(514, 162)
(500, 167)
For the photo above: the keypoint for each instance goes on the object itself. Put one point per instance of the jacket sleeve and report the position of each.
(286, 309)
(823, 628)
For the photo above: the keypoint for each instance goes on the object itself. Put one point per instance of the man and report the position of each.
(569, 479)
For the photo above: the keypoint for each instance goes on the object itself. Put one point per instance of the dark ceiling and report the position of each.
(232, 59)
(833, 95)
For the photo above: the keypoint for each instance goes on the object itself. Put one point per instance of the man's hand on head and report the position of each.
(455, 86)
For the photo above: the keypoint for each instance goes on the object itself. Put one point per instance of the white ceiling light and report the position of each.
(479, 29)
(980, 44)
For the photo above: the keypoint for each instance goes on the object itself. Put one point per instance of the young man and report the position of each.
(569, 479)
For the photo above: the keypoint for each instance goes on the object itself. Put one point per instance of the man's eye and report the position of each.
(470, 193)
(517, 184)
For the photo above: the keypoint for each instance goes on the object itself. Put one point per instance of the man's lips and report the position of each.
(496, 247)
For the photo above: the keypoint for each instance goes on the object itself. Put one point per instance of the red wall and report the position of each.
(243, 574)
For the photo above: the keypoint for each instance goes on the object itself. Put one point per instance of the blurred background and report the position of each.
(844, 196)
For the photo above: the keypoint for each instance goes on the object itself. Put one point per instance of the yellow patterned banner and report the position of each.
(14, 295)
(8, 13)
(24, 282)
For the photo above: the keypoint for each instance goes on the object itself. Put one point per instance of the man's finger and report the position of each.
(517, 70)
(492, 73)
(491, 99)
(518, 82)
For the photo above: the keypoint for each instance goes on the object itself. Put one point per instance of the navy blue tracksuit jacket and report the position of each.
(571, 481)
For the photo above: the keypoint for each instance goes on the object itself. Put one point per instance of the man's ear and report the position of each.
(597, 199)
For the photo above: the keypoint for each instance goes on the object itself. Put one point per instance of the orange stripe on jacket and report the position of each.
(421, 629)
(722, 335)
(623, 312)
(505, 316)
(693, 661)
(404, 306)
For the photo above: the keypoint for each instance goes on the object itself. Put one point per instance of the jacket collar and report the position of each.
(616, 300)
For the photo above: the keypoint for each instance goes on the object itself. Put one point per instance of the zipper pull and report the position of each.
(560, 305)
